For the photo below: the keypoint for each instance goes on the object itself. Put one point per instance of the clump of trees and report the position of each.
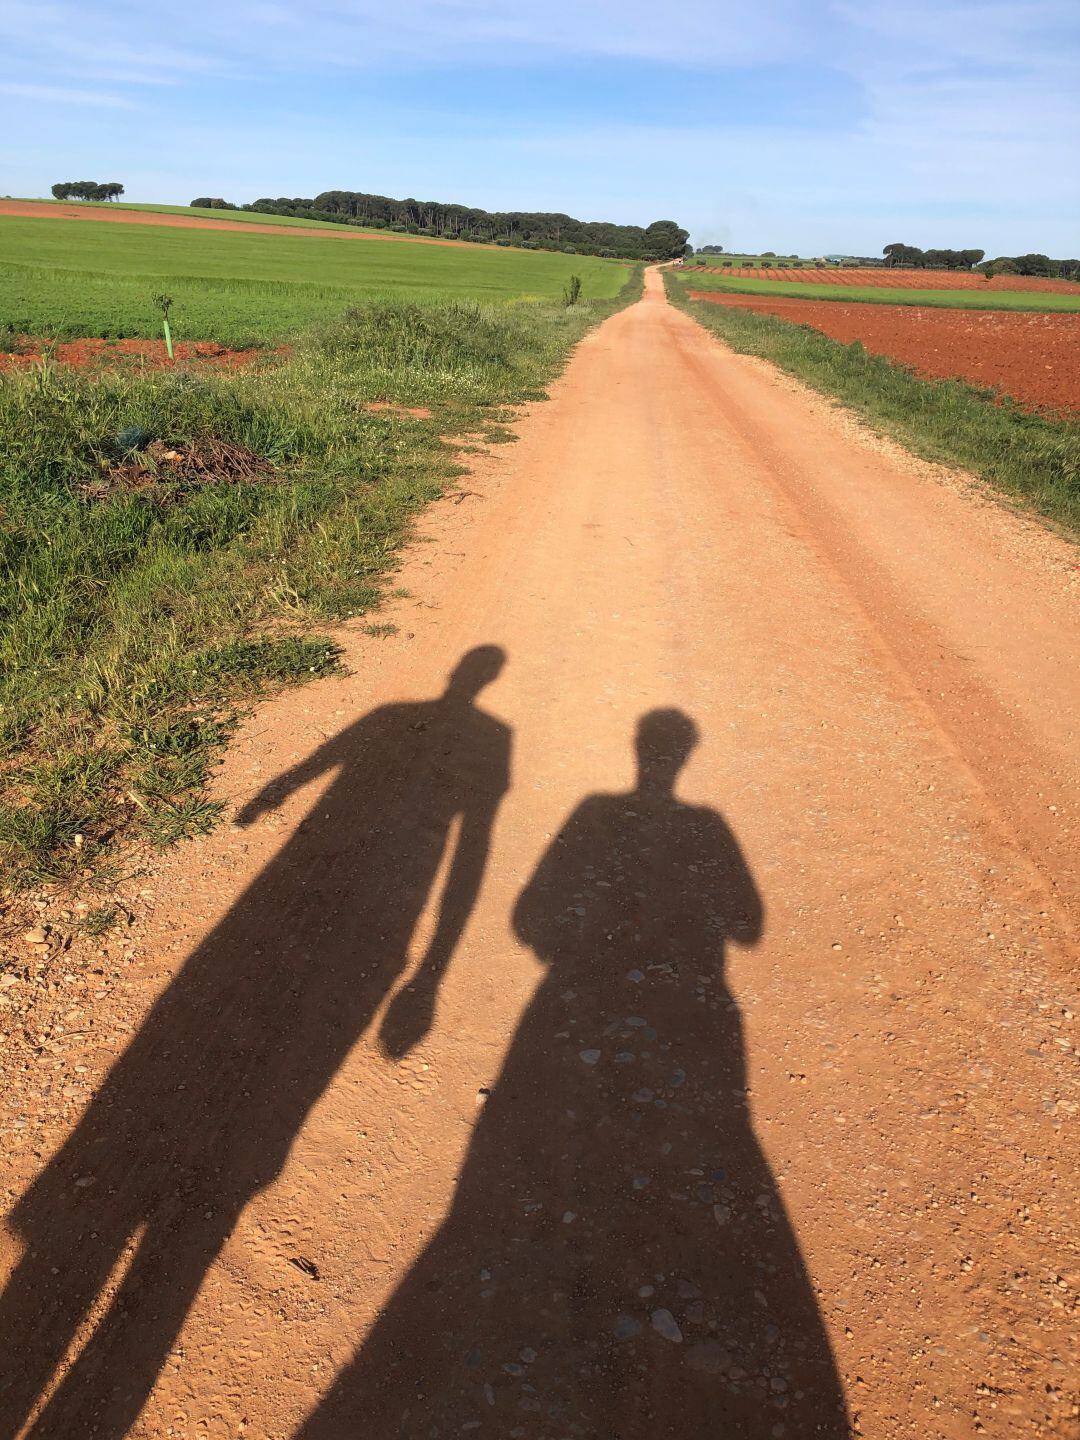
(915, 259)
(212, 202)
(1034, 264)
(662, 240)
(87, 190)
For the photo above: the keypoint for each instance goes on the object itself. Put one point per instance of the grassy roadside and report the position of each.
(1031, 458)
(170, 543)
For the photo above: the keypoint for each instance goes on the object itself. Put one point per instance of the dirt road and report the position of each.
(636, 1003)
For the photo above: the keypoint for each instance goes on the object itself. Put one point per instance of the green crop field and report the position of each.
(78, 278)
(882, 295)
(202, 212)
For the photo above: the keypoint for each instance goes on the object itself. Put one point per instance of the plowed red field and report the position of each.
(902, 279)
(1031, 356)
(84, 353)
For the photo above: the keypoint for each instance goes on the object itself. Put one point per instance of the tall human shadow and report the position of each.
(617, 1261)
(201, 1110)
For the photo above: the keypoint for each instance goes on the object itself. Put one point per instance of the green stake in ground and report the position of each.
(165, 301)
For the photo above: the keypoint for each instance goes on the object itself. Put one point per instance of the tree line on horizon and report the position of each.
(87, 190)
(912, 258)
(530, 230)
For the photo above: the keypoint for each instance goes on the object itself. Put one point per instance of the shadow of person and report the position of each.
(201, 1110)
(617, 1261)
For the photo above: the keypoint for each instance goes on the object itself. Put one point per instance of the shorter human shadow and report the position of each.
(617, 1261)
(201, 1110)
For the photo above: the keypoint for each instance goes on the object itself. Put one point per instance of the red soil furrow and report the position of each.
(902, 279)
(1031, 356)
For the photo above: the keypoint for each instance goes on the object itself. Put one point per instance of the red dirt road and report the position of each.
(662, 1028)
(1033, 357)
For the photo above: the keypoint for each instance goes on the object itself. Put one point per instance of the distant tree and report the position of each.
(898, 254)
(972, 257)
(665, 239)
(533, 230)
(87, 190)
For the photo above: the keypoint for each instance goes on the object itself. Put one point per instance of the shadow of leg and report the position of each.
(104, 1391)
(48, 1295)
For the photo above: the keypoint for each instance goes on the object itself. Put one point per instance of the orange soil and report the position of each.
(900, 279)
(84, 353)
(1031, 356)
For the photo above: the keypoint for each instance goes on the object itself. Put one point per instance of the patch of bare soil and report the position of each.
(901, 279)
(1033, 357)
(92, 353)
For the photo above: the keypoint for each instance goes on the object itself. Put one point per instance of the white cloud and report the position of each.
(64, 95)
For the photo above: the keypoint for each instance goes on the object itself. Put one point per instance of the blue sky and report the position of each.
(790, 125)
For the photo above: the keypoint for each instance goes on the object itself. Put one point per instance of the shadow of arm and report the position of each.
(282, 786)
(743, 906)
(410, 1015)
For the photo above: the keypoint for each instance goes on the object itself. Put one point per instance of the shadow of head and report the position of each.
(664, 741)
(475, 671)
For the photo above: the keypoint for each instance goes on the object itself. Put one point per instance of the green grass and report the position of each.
(1034, 459)
(204, 212)
(71, 278)
(142, 601)
(983, 299)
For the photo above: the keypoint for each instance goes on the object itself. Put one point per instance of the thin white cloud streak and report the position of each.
(64, 95)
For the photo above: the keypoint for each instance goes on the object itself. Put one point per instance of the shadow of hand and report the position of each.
(255, 809)
(408, 1019)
